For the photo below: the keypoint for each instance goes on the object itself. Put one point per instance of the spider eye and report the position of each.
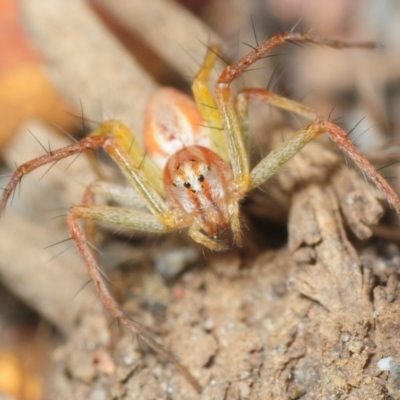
(201, 178)
(187, 185)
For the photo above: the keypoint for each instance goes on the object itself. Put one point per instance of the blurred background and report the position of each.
(65, 68)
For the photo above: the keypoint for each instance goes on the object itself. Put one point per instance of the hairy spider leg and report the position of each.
(130, 143)
(269, 165)
(136, 220)
(121, 195)
(265, 95)
(162, 219)
(125, 196)
(232, 125)
(206, 103)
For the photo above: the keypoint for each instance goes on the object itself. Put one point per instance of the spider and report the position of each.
(191, 176)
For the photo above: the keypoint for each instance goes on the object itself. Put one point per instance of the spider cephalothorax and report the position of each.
(197, 183)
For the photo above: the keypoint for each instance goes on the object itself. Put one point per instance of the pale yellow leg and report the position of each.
(206, 104)
(269, 165)
(139, 180)
(131, 145)
(125, 196)
(136, 220)
(206, 241)
(243, 97)
(235, 222)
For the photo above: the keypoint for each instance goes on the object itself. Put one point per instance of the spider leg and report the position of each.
(235, 222)
(122, 195)
(206, 104)
(336, 134)
(243, 97)
(130, 169)
(232, 129)
(199, 237)
(131, 145)
(51, 156)
(270, 164)
(136, 220)
(128, 165)
(276, 158)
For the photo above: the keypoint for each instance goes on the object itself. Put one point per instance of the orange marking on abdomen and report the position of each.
(172, 122)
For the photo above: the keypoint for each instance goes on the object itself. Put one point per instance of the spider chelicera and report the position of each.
(191, 176)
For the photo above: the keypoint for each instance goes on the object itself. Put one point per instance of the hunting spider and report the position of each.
(191, 176)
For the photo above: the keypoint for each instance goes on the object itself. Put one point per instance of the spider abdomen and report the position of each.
(197, 181)
(173, 121)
